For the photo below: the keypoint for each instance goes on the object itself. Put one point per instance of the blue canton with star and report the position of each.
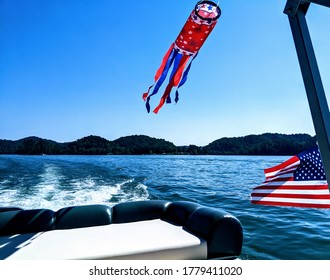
(311, 167)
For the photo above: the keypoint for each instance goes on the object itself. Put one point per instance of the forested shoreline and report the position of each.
(263, 144)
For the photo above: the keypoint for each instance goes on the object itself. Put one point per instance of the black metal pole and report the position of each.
(313, 83)
(321, 2)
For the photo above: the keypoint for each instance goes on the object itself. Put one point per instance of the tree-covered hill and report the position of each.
(264, 144)
(141, 144)
(90, 145)
(30, 145)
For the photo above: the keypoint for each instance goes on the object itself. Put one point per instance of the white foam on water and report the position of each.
(50, 192)
(89, 192)
(8, 198)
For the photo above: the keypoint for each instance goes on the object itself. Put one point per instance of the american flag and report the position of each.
(299, 182)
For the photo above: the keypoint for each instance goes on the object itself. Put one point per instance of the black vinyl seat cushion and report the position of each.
(222, 231)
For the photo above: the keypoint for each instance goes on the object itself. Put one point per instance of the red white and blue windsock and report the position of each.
(183, 51)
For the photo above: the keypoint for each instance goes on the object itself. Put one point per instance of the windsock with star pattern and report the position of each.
(183, 51)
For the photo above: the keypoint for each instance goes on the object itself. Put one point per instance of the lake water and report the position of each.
(222, 182)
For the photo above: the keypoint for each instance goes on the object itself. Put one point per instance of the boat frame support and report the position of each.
(296, 11)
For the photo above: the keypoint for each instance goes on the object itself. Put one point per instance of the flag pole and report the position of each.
(296, 11)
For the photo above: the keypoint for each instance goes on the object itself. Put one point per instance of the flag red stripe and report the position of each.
(287, 195)
(275, 203)
(290, 187)
(282, 165)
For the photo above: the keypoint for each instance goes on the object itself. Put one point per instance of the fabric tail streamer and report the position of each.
(183, 51)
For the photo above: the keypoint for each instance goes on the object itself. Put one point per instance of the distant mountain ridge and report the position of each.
(263, 144)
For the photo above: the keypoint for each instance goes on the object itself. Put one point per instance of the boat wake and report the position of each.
(57, 187)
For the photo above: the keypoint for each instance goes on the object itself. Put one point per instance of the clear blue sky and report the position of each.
(73, 68)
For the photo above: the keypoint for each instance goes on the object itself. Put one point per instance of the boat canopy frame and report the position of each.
(296, 11)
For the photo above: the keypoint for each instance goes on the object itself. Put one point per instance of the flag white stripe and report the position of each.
(285, 170)
(291, 191)
(286, 175)
(292, 166)
(294, 183)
